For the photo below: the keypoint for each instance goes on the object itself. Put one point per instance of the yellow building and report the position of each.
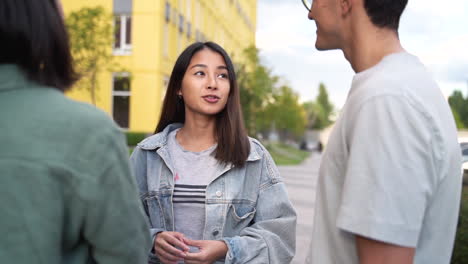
(151, 35)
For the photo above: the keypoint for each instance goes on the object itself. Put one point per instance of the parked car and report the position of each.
(464, 149)
(311, 146)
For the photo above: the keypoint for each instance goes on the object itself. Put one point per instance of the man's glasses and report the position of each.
(307, 4)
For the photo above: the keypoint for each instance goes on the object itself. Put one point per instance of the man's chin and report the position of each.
(323, 47)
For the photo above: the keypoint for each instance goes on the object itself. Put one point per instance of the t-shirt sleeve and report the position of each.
(390, 174)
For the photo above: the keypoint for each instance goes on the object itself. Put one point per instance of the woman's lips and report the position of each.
(211, 98)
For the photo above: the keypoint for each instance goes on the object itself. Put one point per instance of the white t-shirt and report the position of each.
(392, 168)
(193, 172)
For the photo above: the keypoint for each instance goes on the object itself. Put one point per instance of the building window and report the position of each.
(181, 23)
(179, 42)
(168, 12)
(123, 34)
(189, 30)
(121, 99)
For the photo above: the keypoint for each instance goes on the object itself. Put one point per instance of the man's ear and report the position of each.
(346, 6)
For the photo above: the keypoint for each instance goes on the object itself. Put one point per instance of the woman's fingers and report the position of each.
(166, 245)
(166, 257)
(169, 248)
(177, 240)
(195, 243)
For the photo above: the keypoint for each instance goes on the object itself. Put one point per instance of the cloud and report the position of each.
(283, 26)
(287, 46)
(448, 62)
(437, 9)
(435, 31)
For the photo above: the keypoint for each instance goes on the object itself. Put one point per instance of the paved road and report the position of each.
(301, 182)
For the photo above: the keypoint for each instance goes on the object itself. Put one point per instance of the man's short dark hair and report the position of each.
(33, 36)
(385, 13)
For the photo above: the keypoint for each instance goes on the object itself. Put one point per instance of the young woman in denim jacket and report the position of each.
(211, 193)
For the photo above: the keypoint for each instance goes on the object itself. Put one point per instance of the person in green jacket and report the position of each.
(66, 191)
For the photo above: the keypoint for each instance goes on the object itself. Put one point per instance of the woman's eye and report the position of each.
(199, 73)
(223, 75)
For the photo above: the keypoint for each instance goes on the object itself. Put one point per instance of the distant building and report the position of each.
(150, 36)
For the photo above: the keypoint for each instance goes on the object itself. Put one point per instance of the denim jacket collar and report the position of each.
(160, 140)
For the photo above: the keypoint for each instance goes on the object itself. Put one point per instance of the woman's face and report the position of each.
(205, 86)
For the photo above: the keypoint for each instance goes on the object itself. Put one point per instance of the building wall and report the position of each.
(156, 42)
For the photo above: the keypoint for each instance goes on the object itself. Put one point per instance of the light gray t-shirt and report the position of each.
(392, 168)
(193, 172)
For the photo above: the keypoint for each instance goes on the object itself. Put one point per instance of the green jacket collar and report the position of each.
(11, 77)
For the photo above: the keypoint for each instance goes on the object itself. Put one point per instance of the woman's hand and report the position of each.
(210, 251)
(169, 247)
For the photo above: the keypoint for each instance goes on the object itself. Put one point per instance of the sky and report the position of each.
(436, 31)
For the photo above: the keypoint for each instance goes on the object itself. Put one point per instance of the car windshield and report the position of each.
(465, 152)
(464, 149)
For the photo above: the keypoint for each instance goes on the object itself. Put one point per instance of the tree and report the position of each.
(457, 118)
(323, 102)
(319, 112)
(256, 86)
(459, 106)
(268, 103)
(286, 113)
(313, 112)
(91, 39)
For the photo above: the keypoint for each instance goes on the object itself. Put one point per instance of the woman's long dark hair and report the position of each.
(33, 36)
(233, 143)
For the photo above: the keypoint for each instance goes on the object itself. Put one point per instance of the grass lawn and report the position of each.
(286, 155)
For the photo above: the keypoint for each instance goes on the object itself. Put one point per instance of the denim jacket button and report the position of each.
(215, 233)
(219, 193)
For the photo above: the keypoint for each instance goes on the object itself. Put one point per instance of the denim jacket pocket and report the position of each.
(239, 216)
(242, 212)
(153, 207)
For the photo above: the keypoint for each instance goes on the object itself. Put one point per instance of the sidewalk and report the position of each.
(301, 184)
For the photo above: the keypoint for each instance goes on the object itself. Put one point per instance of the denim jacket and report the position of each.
(246, 207)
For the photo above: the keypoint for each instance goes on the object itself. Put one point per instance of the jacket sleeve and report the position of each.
(272, 237)
(114, 224)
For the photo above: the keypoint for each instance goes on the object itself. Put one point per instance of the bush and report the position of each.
(460, 250)
(133, 138)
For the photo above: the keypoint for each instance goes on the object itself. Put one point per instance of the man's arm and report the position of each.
(376, 252)
(115, 225)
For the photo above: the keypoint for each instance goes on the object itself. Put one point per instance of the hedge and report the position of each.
(133, 138)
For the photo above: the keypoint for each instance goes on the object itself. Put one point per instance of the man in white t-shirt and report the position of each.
(390, 179)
